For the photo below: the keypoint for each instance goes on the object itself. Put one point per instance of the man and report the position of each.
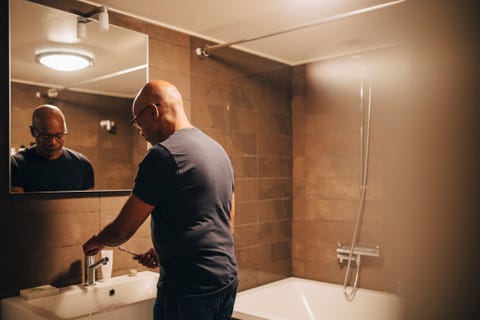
(186, 183)
(48, 165)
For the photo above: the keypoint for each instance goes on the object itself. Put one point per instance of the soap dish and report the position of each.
(38, 292)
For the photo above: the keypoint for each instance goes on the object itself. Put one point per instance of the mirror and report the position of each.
(96, 101)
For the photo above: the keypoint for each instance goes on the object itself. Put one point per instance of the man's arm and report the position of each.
(232, 214)
(122, 228)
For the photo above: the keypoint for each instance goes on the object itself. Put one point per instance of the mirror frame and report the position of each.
(69, 6)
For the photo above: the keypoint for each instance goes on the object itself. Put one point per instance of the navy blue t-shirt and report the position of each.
(71, 171)
(189, 180)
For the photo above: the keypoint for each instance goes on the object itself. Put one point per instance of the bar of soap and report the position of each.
(132, 273)
(38, 292)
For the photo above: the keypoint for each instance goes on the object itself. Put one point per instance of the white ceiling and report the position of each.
(35, 27)
(227, 21)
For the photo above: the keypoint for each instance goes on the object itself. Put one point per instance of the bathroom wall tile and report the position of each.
(246, 212)
(274, 124)
(47, 230)
(274, 145)
(324, 252)
(276, 209)
(29, 268)
(332, 188)
(322, 231)
(274, 231)
(243, 144)
(109, 203)
(299, 147)
(275, 166)
(326, 209)
(108, 216)
(167, 56)
(243, 120)
(248, 278)
(281, 251)
(246, 235)
(246, 189)
(51, 203)
(274, 188)
(339, 121)
(254, 257)
(332, 144)
(245, 166)
(298, 188)
(337, 166)
(274, 271)
(299, 167)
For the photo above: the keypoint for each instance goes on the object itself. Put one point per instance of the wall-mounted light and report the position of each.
(81, 28)
(84, 18)
(64, 60)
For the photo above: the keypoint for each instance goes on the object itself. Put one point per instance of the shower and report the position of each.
(352, 252)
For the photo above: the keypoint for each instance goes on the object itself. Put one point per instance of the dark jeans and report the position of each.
(219, 307)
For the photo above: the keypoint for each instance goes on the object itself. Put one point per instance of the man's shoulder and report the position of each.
(23, 155)
(74, 154)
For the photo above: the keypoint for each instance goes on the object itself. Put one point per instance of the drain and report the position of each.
(111, 292)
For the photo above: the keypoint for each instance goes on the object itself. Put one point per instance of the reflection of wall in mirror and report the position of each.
(114, 155)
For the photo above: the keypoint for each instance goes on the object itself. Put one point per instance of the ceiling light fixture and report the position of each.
(64, 60)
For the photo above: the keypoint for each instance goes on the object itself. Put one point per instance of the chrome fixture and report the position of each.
(349, 254)
(343, 251)
(205, 51)
(90, 266)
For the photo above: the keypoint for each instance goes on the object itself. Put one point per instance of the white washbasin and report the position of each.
(122, 297)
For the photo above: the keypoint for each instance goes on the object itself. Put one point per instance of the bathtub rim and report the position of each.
(238, 315)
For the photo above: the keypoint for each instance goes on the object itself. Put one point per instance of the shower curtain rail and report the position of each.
(205, 51)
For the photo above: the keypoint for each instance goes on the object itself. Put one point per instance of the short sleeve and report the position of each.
(156, 176)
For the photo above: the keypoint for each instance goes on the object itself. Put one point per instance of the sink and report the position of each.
(122, 297)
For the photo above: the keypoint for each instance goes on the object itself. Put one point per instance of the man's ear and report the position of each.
(32, 131)
(156, 111)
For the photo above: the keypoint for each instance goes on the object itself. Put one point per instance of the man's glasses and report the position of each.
(47, 137)
(134, 121)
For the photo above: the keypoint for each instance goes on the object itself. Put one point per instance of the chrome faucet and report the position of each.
(90, 266)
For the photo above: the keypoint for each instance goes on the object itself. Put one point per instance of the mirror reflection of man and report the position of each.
(48, 165)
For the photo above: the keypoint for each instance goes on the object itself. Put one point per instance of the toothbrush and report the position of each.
(127, 251)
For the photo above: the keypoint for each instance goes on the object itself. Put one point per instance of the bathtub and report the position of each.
(300, 299)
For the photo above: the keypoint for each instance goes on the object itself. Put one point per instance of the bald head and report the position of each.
(160, 91)
(158, 110)
(46, 115)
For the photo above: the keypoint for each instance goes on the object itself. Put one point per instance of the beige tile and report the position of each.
(275, 166)
(168, 56)
(274, 145)
(274, 231)
(246, 213)
(275, 209)
(245, 166)
(274, 188)
(246, 189)
(246, 235)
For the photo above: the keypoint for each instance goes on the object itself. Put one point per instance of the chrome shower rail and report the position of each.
(205, 51)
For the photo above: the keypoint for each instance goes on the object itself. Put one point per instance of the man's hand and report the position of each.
(92, 246)
(148, 259)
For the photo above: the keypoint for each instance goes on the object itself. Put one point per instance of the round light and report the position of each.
(64, 61)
